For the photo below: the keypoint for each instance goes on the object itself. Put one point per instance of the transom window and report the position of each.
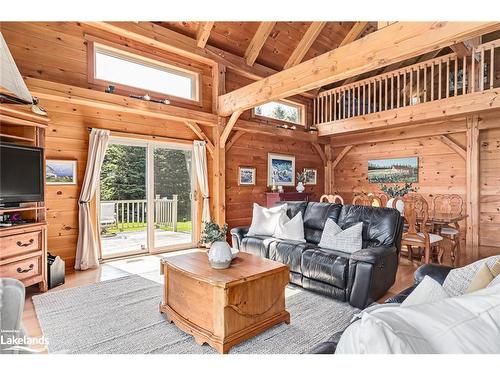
(282, 111)
(126, 69)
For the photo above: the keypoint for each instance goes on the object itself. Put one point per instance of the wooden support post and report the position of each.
(472, 175)
(218, 85)
(328, 170)
(219, 177)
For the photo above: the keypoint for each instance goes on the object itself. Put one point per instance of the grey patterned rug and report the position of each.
(122, 316)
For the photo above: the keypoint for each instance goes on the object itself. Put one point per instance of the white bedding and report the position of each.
(465, 324)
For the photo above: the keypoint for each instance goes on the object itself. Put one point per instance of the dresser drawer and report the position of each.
(22, 269)
(20, 243)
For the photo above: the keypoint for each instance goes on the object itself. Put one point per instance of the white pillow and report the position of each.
(427, 291)
(348, 240)
(290, 229)
(464, 324)
(265, 220)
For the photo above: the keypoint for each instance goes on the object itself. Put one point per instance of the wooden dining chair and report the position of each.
(331, 198)
(363, 199)
(417, 234)
(383, 198)
(449, 204)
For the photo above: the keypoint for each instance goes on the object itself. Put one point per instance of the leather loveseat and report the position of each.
(359, 278)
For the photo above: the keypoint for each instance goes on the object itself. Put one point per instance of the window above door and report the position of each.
(138, 74)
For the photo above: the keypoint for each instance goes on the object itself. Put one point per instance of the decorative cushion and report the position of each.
(464, 324)
(427, 291)
(458, 280)
(265, 220)
(432, 237)
(484, 276)
(290, 229)
(348, 240)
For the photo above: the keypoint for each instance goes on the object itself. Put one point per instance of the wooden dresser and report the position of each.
(272, 198)
(23, 247)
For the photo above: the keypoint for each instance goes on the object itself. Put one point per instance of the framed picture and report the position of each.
(280, 170)
(311, 176)
(60, 172)
(393, 170)
(246, 176)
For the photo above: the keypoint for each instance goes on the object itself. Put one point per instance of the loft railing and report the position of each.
(130, 214)
(439, 78)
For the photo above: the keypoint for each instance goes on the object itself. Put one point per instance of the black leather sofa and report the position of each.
(359, 278)
(437, 272)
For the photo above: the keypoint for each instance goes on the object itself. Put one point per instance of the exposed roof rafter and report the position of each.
(258, 41)
(204, 33)
(305, 43)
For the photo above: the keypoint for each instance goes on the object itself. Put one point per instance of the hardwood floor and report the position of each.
(149, 267)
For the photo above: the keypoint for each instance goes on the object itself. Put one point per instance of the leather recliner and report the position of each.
(359, 278)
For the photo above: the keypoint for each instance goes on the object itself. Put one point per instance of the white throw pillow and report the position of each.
(464, 324)
(265, 220)
(290, 229)
(427, 291)
(348, 240)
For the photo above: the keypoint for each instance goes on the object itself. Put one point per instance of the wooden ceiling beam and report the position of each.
(462, 105)
(204, 33)
(59, 92)
(428, 129)
(260, 128)
(356, 30)
(257, 42)
(305, 43)
(397, 42)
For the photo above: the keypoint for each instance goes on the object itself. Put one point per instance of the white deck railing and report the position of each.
(431, 80)
(133, 213)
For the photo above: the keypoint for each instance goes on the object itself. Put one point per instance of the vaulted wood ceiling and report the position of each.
(280, 42)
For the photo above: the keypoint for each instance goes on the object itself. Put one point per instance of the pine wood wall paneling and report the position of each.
(489, 186)
(57, 51)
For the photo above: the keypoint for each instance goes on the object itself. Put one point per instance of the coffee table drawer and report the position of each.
(22, 269)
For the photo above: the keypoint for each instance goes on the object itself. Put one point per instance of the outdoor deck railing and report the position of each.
(133, 213)
(427, 81)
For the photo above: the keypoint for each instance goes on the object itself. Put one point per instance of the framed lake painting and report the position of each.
(60, 172)
(246, 176)
(280, 170)
(393, 170)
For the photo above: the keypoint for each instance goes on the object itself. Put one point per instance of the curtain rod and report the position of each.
(148, 136)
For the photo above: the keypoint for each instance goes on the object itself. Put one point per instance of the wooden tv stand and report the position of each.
(23, 247)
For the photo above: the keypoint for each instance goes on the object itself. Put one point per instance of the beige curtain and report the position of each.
(87, 246)
(200, 165)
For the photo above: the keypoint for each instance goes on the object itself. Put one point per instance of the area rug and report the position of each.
(122, 316)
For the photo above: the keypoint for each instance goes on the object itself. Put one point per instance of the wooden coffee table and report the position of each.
(224, 307)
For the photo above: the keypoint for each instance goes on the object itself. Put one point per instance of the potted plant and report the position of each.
(301, 178)
(397, 191)
(213, 235)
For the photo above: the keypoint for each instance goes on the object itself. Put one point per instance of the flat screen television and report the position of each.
(21, 174)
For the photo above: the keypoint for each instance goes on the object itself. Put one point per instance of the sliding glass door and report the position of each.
(145, 195)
